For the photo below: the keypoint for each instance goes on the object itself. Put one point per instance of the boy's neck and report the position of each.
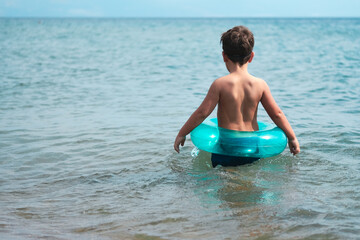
(235, 67)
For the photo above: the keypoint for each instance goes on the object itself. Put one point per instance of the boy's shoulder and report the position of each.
(231, 78)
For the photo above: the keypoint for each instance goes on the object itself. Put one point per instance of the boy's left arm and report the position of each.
(203, 111)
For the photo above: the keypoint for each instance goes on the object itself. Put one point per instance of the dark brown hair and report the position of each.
(237, 44)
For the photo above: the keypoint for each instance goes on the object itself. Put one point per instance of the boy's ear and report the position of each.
(225, 58)
(251, 57)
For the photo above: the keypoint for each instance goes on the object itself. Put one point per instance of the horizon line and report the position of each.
(164, 17)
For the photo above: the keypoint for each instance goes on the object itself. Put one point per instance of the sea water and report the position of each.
(89, 110)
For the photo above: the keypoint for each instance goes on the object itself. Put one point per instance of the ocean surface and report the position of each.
(89, 110)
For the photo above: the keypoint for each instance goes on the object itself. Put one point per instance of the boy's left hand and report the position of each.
(179, 140)
(294, 146)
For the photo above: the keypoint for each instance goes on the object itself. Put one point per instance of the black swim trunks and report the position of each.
(227, 161)
(235, 146)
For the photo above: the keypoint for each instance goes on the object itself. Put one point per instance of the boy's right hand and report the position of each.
(294, 146)
(179, 140)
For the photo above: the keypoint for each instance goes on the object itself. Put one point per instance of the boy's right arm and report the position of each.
(275, 113)
(203, 111)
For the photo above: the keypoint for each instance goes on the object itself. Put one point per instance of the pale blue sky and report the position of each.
(179, 8)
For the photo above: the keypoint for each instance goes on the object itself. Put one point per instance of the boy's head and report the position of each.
(238, 44)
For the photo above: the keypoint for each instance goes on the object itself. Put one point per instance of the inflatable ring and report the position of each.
(267, 142)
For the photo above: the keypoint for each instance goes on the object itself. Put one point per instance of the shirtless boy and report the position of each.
(238, 94)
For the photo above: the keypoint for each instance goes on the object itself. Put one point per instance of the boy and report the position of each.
(238, 95)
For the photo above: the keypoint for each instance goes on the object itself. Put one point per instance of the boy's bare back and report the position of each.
(239, 97)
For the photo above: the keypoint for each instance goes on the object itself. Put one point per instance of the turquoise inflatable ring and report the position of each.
(267, 142)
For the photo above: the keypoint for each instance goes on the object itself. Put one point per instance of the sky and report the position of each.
(179, 8)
